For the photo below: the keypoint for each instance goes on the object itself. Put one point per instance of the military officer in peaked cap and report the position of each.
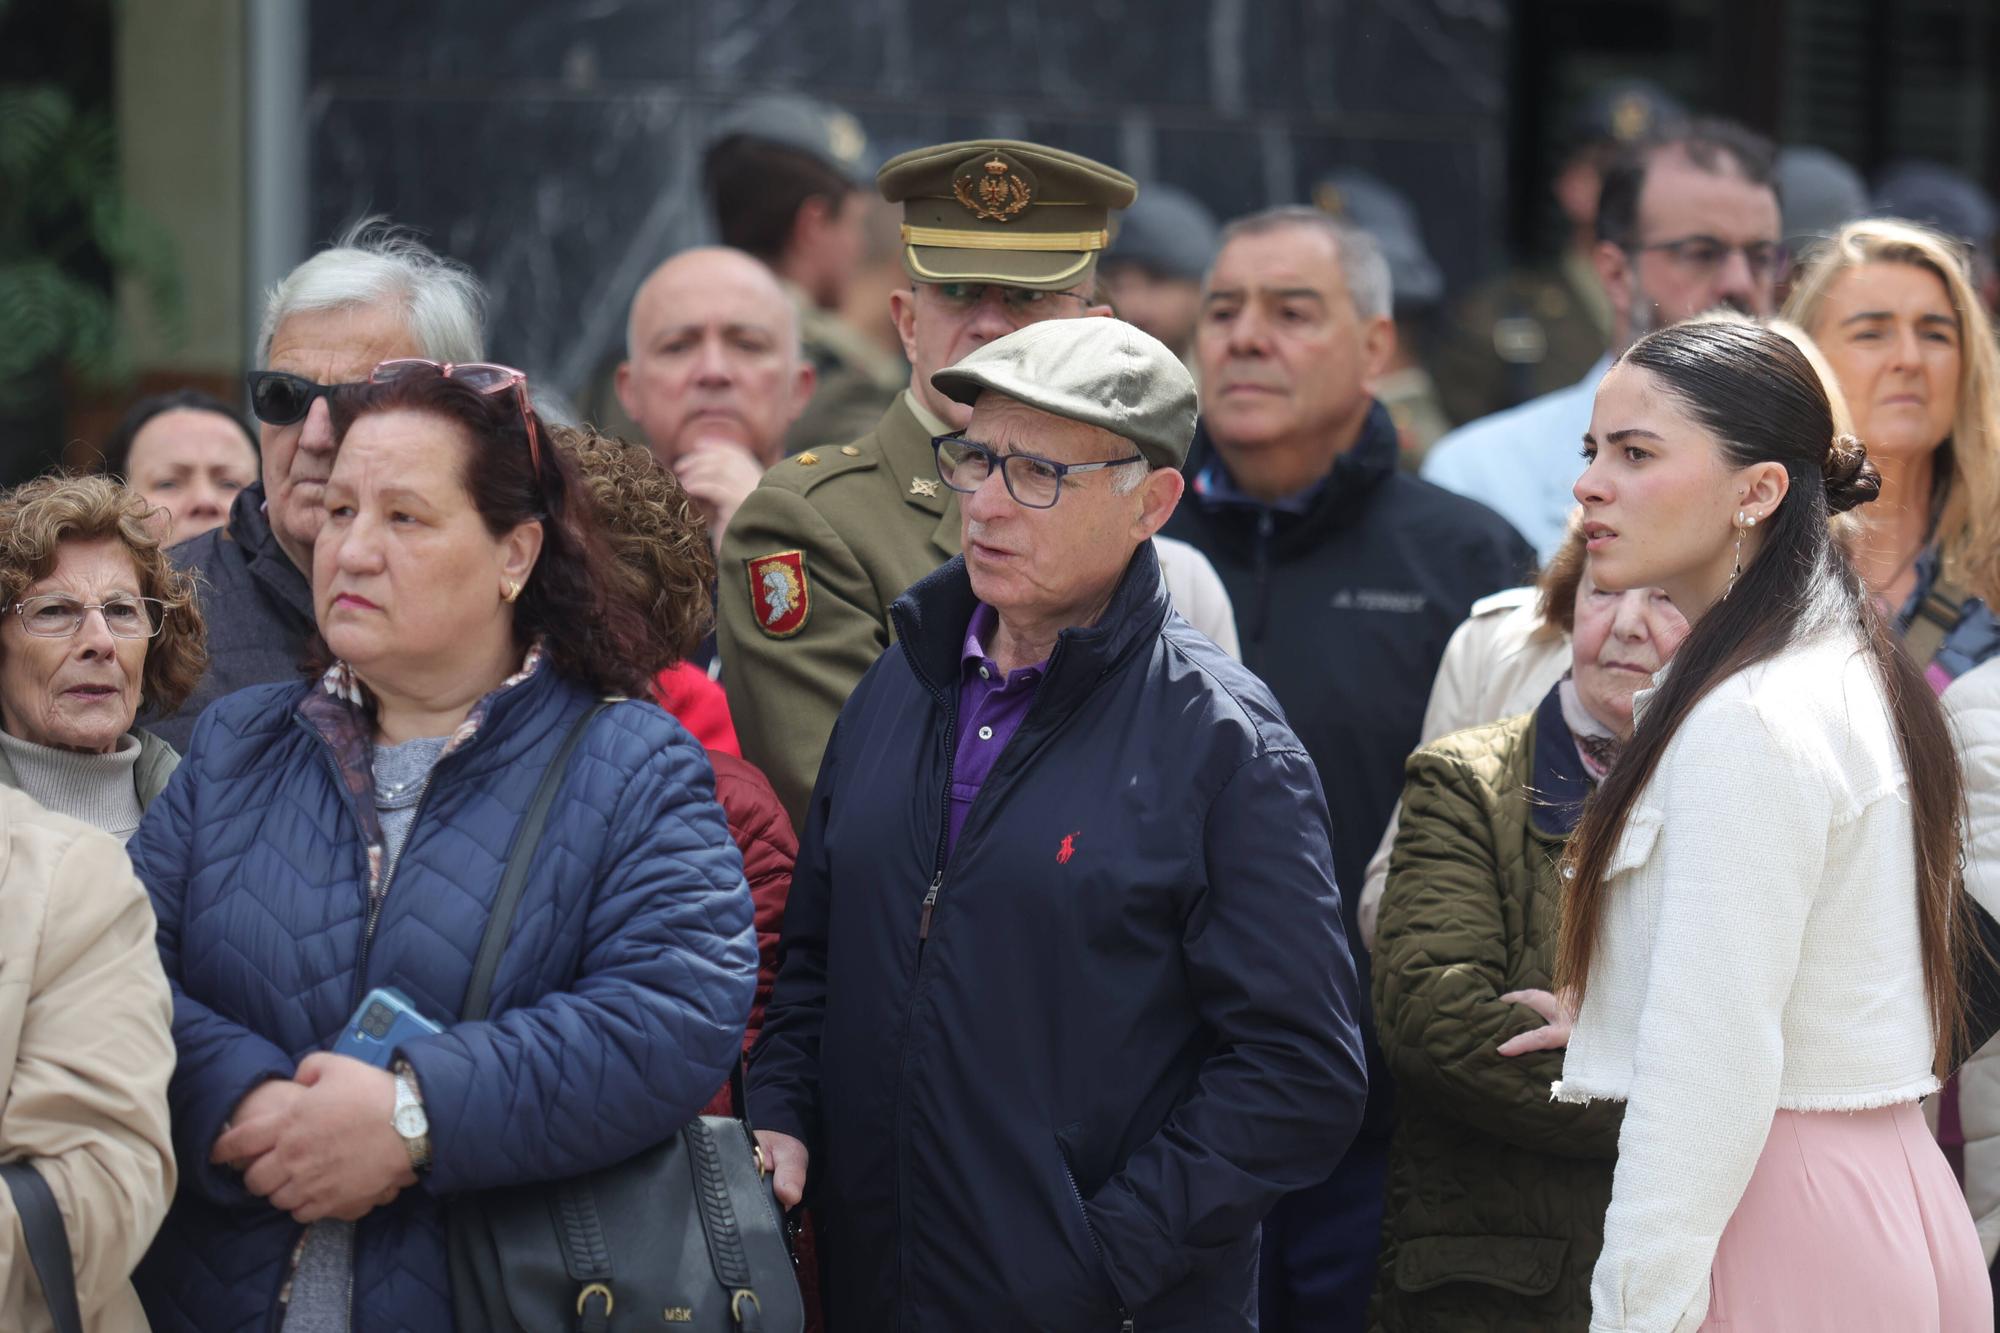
(996, 235)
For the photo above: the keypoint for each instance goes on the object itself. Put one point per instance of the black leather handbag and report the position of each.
(48, 1243)
(686, 1235)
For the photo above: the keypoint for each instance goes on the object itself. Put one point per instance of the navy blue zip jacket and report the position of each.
(618, 1006)
(1344, 609)
(1055, 1081)
(257, 605)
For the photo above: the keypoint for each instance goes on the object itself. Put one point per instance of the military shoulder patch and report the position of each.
(779, 596)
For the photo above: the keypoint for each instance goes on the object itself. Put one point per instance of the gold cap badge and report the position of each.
(997, 190)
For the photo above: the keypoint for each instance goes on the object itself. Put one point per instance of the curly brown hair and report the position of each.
(37, 517)
(655, 530)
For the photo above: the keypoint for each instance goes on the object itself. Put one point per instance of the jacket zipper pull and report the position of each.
(1125, 1327)
(930, 902)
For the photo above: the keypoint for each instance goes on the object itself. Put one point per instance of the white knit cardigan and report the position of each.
(1759, 950)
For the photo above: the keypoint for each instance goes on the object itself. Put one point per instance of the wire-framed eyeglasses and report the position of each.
(1033, 481)
(57, 616)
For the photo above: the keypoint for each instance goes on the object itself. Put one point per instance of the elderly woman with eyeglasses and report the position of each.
(330, 837)
(96, 620)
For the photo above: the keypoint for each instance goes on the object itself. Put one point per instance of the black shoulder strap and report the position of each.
(48, 1243)
(479, 991)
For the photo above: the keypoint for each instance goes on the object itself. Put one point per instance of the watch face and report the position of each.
(410, 1121)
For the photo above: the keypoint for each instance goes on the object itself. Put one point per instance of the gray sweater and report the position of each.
(107, 791)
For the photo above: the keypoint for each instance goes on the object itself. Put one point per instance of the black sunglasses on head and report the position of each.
(280, 398)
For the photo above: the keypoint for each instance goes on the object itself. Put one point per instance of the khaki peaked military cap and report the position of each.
(997, 210)
(1097, 370)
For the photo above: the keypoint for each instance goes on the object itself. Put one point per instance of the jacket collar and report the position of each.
(249, 527)
(931, 619)
(335, 708)
(1558, 783)
(1339, 498)
(905, 440)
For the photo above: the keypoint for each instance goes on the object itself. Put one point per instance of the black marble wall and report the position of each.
(555, 147)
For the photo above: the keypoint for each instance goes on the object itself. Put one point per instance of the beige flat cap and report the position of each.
(1003, 211)
(1097, 370)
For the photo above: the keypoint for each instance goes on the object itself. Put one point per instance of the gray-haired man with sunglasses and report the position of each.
(375, 295)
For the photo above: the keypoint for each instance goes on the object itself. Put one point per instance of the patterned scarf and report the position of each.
(1596, 744)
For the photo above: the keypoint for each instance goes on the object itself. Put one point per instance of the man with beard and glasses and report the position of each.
(1685, 224)
(374, 295)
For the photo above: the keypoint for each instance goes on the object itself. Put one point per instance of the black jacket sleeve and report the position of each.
(1275, 1106)
(783, 1081)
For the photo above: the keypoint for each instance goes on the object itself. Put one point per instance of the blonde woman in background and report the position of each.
(1892, 306)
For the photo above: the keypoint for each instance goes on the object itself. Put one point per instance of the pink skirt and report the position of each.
(1852, 1221)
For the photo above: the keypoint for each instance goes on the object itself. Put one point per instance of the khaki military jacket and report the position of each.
(1521, 335)
(86, 1049)
(856, 381)
(852, 527)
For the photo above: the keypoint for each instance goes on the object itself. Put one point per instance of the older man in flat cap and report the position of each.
(1065, 1003)
(997, 235)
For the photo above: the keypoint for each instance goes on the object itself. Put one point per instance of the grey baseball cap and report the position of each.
(1938, 196)
(803, 123)
(1097, 370)
(1168, 231)
(1384, 212)
(1819, 192)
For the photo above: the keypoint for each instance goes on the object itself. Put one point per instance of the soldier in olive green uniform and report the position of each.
(786, 177)
(997, 234)
(1535, 330)
(857, 379)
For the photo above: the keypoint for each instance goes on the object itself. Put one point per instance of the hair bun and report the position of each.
(1850, 478)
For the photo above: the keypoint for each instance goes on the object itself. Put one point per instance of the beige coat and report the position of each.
(86, 1046)
(1498, 664)
(1973, 702)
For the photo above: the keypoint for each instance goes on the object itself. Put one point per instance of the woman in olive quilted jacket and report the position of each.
(1497, 1194)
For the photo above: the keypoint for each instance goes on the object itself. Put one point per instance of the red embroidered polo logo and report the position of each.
(779, 595)
(1068, 848)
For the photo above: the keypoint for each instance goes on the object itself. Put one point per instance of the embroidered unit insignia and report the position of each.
(779, 593)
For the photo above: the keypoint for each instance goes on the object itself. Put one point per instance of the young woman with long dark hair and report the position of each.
(1764, 922)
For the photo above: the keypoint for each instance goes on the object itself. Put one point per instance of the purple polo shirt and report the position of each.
(990, 709)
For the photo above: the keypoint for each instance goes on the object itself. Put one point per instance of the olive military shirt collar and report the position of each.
(905, 437)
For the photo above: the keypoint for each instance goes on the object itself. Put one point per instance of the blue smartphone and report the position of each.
(385, 1020)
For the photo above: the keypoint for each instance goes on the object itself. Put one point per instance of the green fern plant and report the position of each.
(65, 228)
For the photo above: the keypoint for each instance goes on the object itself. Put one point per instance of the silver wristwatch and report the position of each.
(408, 1119)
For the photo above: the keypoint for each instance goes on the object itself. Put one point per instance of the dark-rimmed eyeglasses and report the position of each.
(56, 616)
(280, 398)
(480, 377)
(1705, 255)
(1033, 481)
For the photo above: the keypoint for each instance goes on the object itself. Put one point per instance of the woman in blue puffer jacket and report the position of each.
(327, 838)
